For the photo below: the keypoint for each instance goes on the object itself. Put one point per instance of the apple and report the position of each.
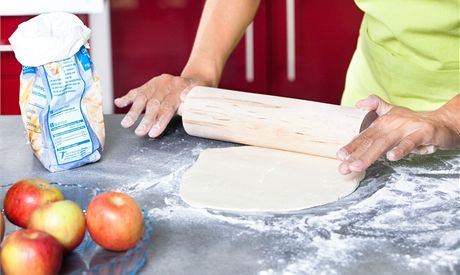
(31, 252)
(26, 195)
(115, 221)
(64, 220)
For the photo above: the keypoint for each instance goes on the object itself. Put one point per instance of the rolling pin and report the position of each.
(270, 121)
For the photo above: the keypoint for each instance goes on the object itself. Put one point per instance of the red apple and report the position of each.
(64, 220)
(30, 252)
(115, 221)
(25, 196)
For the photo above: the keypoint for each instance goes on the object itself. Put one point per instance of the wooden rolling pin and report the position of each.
(270, 121)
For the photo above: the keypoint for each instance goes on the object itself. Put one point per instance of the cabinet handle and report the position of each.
(290, 39)
(5, 48)
(249, 43)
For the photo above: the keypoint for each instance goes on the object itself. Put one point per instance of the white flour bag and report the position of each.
(60, 94)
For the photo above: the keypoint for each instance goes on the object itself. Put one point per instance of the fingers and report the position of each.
(175, 89)
(374, 103)
(425, 149)
(350, 164)
(136, 109)
(160, 97)
(363, 139)
(406, 145)
(366, 150)
(127, 99)
(368, 146)
(151, 110)
(166, 112)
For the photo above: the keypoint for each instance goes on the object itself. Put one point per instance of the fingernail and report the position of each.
(154, 131)
(343, 169)
(342, 154)
(120, 103)
(391, 155)
(140, 130)
(356, 166)
(127, 121)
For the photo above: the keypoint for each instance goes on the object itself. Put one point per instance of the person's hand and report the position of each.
(397, 132)
(160, 97)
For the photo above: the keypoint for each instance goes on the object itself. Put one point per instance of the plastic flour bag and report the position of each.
(60, 94)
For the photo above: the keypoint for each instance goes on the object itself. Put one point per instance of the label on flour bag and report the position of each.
(61, 101)
(67, 127)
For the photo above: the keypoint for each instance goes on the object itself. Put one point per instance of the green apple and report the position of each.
(64, 220)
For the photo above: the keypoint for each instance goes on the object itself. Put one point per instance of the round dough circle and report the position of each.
(257, 179)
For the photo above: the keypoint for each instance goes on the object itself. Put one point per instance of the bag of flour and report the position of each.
(60, 94)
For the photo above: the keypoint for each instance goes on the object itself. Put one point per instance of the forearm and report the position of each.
(222, 25)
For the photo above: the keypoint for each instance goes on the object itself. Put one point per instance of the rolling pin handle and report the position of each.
(368, 119)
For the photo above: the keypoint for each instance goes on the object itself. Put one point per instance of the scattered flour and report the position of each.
(404, 216)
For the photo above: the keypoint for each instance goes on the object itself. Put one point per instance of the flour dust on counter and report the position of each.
(404, 217)
(393, 219)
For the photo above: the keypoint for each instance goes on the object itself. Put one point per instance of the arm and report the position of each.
(399, 131)
(221, 26)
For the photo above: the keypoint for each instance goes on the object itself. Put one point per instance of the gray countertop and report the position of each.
(403, 219)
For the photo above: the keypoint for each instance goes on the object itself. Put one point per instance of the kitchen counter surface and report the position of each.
(403, 219)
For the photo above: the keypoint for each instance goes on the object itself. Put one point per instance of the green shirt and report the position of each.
(407, 53)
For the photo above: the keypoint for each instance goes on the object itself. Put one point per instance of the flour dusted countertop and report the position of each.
(403, 219)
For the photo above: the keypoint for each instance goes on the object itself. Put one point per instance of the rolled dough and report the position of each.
(258, 179)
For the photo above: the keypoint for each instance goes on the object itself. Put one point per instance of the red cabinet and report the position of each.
(154, 37)
(325, 36)
(9, 84)
(150, 37)
(9, 68)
